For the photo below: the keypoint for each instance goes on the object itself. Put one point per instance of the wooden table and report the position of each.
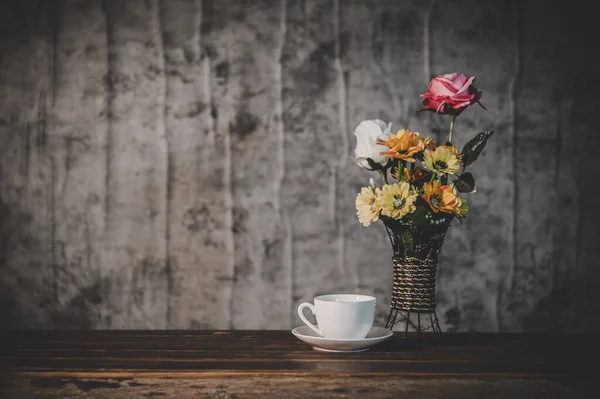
(275, 364)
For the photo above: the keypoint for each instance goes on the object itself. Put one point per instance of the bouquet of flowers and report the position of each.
(427, 178)
(423, 188)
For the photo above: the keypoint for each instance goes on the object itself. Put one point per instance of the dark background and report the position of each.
(189, 163)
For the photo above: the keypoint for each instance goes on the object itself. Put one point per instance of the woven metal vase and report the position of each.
(415, 260)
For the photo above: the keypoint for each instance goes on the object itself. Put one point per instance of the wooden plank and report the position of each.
(200, 238)
(278, 346)
(207, 355)
(77, 130)
(312, 109)
(136, 175)
(243, 43)
(476, 256)
(68, 365)
(65, 367)
(293, 387)
(456, 343)
(183, 354)
(28, 293)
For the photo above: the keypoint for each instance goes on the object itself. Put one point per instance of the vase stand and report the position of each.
(425, 321)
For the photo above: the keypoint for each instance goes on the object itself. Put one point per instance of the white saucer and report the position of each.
(375, 336)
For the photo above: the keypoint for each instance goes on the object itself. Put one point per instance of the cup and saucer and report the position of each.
(344, 323)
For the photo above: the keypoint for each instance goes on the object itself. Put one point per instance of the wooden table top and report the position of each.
(127, 354)
(204, 353)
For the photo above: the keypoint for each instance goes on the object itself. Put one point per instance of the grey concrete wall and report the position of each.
(189, 163)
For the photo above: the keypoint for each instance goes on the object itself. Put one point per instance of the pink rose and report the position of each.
(451, 94)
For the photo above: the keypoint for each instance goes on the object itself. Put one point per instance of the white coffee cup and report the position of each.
(341, 316)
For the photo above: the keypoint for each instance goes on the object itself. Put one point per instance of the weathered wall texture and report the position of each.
(189, 163)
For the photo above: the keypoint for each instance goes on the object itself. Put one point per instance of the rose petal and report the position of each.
(377, 155)
(449, 77)
(370, 128)
(363, 163)
(466, 86)
(461, 104)
(432, 103)
(367, 133)
(387, 131)
(382, 125)
(449, 86)
(463, 97)
(459, 82)
(441, 88)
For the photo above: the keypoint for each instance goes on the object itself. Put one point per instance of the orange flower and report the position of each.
(406, 174)
(441, 198)
(403, 145)
(418, 175)
(429, 143)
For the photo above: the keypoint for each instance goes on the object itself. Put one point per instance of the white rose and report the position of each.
(367, 133)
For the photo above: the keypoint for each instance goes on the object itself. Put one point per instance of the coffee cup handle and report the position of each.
(308, 323)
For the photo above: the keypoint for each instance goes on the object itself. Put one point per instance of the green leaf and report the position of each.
(420, 156)
(407, 242)
(418, 216)
(465, 183)
(374, 165)
(473, 148)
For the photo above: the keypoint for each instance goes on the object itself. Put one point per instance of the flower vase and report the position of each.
(415, 259)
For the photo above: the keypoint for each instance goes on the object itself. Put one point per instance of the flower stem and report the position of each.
(383, 176)
(452, 117)
(400, 170)
(433, 177)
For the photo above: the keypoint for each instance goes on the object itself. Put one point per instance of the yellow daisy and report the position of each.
(403, 145)
(442, 198)
(368, 205)
(397, 200)
(444, 159)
